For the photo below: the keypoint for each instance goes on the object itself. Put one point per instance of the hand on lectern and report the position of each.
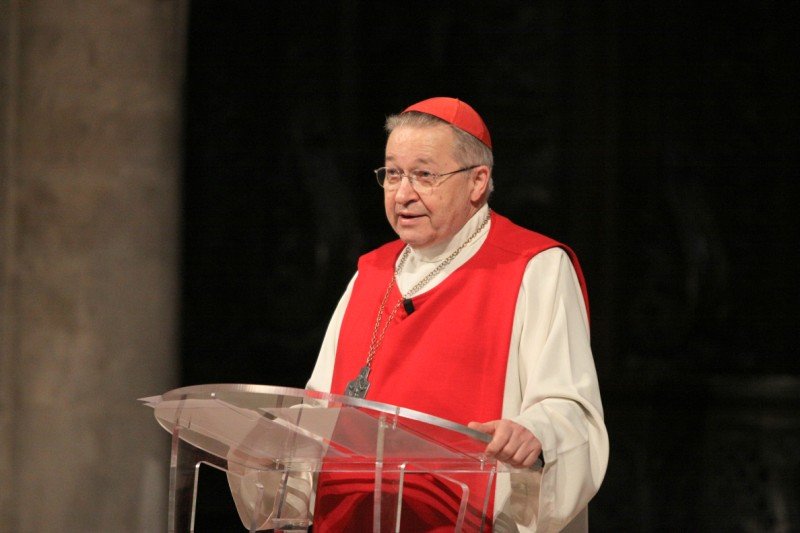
(511, 443)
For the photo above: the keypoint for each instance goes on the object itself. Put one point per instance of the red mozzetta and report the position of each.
(447, 358)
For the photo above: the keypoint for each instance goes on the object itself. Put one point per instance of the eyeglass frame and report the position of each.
(436, 177)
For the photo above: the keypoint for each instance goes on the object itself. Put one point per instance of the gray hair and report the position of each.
(468, 150)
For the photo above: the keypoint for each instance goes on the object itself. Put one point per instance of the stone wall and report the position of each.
(90, 165)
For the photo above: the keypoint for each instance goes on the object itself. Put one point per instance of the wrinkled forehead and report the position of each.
(421, 144)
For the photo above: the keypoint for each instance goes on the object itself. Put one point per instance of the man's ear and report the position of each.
(480, 183)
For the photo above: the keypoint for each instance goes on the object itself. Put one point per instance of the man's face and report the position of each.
(425, 219)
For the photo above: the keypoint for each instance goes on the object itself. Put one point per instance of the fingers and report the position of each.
(485, 427)
(525, 456)
(511, 443)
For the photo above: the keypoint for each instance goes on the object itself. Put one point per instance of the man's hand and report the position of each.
(511, 443)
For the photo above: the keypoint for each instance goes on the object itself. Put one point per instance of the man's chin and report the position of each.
(413, 239)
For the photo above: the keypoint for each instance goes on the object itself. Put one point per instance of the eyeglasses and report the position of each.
(421, 180)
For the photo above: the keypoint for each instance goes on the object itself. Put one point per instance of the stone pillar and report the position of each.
(89, 198)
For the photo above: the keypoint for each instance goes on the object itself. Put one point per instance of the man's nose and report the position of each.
(405, 191)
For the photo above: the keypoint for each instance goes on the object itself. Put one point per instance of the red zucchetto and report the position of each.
(457, 113)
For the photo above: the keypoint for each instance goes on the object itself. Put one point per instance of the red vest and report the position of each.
(448, 357)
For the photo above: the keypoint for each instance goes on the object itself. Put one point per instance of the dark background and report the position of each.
(657, 139)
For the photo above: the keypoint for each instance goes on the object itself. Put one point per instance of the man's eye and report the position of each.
(393, 173)
(424, 175)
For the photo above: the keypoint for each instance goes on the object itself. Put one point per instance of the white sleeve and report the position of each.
(322, 376)
(552, 390)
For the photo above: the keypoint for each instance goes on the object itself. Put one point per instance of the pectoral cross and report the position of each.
(358, 387)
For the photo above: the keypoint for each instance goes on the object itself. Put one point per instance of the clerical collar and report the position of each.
(437, 252)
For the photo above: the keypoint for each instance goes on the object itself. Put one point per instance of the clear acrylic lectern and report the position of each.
(275, 440)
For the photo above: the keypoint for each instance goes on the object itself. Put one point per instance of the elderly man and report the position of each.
(470, 318)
